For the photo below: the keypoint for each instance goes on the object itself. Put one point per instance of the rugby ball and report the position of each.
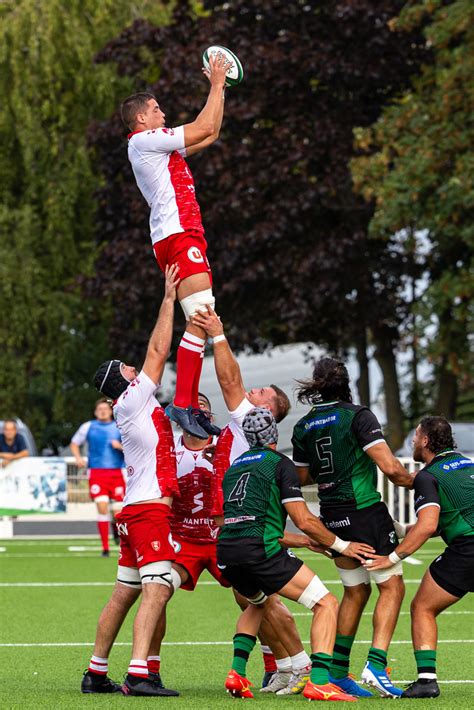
(235, 73)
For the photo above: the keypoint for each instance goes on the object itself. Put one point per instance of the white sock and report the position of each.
(283, 664)
(138, 667)
(99, 665)
(427, 676)
(301, 660)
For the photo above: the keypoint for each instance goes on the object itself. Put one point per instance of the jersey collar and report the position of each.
(133, 133)
(326, 404)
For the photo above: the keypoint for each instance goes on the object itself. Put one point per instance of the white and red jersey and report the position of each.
(165, 181)
(230, 444)
(147, 440)
(191, 517)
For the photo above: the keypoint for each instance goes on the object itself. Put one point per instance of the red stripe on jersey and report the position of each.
(183, 184)
(165, 454)
(221, 464)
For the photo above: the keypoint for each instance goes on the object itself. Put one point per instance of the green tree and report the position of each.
(417, 166)
(51, 89)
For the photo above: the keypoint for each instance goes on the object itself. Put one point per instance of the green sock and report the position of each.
(320, 663)
(340, 657)
(243, 647)
(377, 658)
(426, 664)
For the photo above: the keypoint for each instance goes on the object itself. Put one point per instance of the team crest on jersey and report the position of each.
(95, 489)
(130, 470)
(195, 255)
(169, 131)
(155, 545)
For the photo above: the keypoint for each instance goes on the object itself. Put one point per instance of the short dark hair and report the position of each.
(439, 433)
(283, 405)
(103, 400)
(330, 381)
(132, 105)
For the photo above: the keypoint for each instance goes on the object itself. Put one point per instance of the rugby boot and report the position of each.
(296, 683)
(326, 692)
(279, 681)
(422, 688)
(348, 685)
(185, 418)
(380, 681)
(237, 685)
(204, 420)
(132, 685)
(98, 683)
(267, 676)
(156, 679)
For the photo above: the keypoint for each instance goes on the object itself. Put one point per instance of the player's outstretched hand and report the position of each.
(377, 562)
(218, 68)
(171, 281)
(208, 321)
(358, 550)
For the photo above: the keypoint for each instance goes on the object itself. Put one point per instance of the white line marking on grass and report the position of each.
(402, 613)
(3, 549)
(186, 643)
(105, 584)
(83, 548)
(413, 561)
(48, 555)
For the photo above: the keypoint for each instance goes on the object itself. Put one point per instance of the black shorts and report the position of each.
(453, 571)
(372, 525)
(268, 576)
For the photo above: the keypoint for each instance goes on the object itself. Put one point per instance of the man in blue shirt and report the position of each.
(12, 444)
(105, 463)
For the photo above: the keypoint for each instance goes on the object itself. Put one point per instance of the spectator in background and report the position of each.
(12, 444)
(105, 462)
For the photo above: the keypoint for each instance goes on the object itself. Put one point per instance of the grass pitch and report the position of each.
(51, 597)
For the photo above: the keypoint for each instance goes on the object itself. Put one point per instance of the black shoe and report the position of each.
(422, 688)
(185, 418)
(105, 553)
(267, 676)
(144, 686)
(115, 533)
(204, 420)
(96, 683)
(156, 679)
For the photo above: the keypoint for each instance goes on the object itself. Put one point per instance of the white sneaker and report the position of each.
(278, 682)
(296, 682)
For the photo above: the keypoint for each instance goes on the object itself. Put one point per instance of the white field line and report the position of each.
(402, 613)
(47, 555)
(190, 643)
(109, 584)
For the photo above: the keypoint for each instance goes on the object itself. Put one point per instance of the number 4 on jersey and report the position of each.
(237, 494)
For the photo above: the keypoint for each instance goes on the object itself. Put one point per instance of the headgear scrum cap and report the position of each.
(109, 379)
(259, 427)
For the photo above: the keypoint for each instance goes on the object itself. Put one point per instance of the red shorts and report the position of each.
(188, 249)
(107, 482)
(145, 534)
(196, 557)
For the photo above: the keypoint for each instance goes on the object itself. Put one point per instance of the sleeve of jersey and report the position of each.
(165, 455)
(300, 457)
(137, 394)
(81, 434)
(220, 464)
(163, 140)
(426, 491)
(367, 429)
(288, 482)
(238, 415)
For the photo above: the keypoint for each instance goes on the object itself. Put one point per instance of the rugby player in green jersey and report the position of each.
(444, 502)
(260, 489)
(339, 445)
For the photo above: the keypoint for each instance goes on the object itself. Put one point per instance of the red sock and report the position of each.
(103, 523)
(197, 378)
(153, 664)
(188, 363)
(269, 661)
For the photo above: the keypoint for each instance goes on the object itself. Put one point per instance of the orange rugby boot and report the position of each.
(238, 686)
(326, 692)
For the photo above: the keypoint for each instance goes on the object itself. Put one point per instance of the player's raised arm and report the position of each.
(207, 124)
(160, 339)
(227, 367)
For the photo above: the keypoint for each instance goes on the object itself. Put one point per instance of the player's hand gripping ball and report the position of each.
(235, 73)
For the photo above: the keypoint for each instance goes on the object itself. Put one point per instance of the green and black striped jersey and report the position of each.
(332, 440)
(255, 489)
(448, 482)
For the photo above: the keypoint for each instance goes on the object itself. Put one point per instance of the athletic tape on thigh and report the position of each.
(156, 573)
(259, 598)
(383, 575)
(353, 577)
(313, 593)
(129, 576)
(175, 579)
(197, 302)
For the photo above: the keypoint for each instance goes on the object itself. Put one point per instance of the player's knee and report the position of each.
(359, 594)
(314, 594)
(196, 302)
(330, 602)
(157, 573)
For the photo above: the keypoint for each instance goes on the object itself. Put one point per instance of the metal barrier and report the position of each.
(77, 482)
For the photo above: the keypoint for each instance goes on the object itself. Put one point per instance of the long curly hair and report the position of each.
(439, 433)
(330, 381)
